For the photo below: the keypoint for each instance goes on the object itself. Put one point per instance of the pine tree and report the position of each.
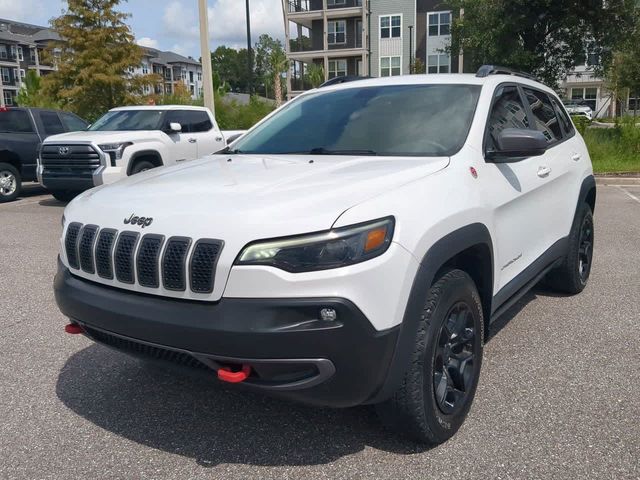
(94, 58)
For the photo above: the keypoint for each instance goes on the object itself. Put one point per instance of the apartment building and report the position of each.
(173, 69)
(21, 47)
(366, 37)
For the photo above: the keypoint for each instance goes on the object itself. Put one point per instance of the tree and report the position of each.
(231, 66)
(31, 94)
(271, 64)
(544, 37)
(624, 74)
(315, 74)
(94, 57)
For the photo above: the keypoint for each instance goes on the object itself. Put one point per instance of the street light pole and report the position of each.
(205, 53)
(249, 50)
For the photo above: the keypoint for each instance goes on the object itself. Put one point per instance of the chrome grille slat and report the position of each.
(71, 244)
(85, 248)
(174, 263)
(123, 257)
(147, 260)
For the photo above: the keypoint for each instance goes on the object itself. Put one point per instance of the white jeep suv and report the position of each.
(352, 248)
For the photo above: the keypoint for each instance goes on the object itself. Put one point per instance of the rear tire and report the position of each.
(573, 274)
(10, 183)
(64, 195)
(437, 390)
(142, 166)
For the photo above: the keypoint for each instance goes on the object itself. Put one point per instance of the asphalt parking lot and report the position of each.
(559, 395)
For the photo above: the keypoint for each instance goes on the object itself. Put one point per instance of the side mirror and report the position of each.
(515, 144)
(174, 127)
(233, 138)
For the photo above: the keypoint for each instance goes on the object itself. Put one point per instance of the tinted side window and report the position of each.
(15, 121)
(200, 122)
(51, 123)
(545, 117)
(565, 121)
(507, 112)
(72, 122)
(179, 116)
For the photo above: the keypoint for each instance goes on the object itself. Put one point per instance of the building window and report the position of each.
(199, 76)
(585, 96)
(8, 98)
(145, 69)
(6, 75)
(438, 63)
(337, 32)
(14, 52)
(32, 55)
(20, 54)
(439, 23)
(390, 66)
(391, 26)
(337, 68)
(336, 2)
(3, 51)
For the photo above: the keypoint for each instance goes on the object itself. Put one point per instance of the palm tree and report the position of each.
(278, 64)
(315, 74)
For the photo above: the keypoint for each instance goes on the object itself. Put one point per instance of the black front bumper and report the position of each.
(68, 182)
(292, 353)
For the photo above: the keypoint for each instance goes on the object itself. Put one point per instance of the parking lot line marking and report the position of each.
(629, 194)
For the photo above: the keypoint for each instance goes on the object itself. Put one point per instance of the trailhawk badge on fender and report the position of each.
(142, 221)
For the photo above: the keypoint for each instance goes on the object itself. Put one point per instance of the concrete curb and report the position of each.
(617, 180)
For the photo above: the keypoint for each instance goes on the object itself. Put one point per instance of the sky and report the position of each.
(171, 24)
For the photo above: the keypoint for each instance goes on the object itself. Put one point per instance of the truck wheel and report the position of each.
(64, 195)
(437, 390)
(573, 274)
(142, 166)
(10, 183)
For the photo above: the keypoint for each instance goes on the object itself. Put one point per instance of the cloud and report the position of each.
(147, 42)
(227, 24)
(30, 11)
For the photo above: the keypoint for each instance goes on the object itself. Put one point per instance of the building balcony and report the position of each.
(304, 12)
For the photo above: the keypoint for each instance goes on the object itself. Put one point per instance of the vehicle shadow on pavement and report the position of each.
(51, 202)
(210, 422)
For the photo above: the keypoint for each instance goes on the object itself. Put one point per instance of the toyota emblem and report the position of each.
(63, 150)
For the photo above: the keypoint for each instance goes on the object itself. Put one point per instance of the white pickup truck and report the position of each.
(126, 141)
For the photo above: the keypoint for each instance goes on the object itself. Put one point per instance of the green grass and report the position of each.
(614, 150)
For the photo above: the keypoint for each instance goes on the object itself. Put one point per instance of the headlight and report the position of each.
(114, 150)
(321, 251)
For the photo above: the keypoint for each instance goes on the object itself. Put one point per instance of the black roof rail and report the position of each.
(486, 70)
(342, 79)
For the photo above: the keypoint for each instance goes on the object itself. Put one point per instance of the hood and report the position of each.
(255, 196)
(95, 136)
(239, 199)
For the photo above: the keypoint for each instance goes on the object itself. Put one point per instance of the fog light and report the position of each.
(328, 315)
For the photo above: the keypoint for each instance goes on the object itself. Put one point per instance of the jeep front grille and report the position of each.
(146, 260)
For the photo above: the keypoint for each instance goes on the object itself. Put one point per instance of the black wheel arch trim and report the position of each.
(144, 153)
(588, 193)
(436, 257)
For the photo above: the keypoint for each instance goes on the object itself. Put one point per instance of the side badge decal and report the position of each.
(474, 172)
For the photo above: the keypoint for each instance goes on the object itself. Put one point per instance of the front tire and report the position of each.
(10, 183)
(573, 274)
(437, 390)
(142, 166)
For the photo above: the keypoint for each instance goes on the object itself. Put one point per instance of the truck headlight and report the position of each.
(114, 150)
(321, 251)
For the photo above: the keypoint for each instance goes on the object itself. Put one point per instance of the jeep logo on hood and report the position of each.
(135, 220)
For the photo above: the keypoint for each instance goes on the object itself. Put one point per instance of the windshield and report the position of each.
(419, 120)
(128, 120)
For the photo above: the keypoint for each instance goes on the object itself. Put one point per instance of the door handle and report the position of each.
(576, 157)
(219, 139)
(192, 140)
(543, 172)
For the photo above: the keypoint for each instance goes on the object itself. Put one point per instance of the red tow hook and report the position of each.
(226, 375)
(73, 328)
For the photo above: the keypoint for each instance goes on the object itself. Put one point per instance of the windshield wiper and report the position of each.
(326, 151)
(228, 150)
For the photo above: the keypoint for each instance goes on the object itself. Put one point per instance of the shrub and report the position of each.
(580, 122)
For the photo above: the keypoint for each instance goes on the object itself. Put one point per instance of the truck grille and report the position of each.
(148, 261)
(75, 159)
